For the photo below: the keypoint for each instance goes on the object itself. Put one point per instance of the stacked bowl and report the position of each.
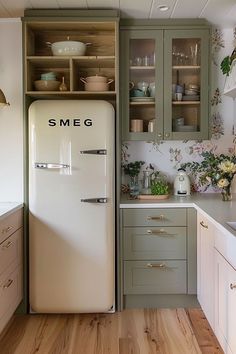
(191, 93)
(48, 82)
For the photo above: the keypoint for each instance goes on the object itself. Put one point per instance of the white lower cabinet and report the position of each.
(205, 266)
(225, 303)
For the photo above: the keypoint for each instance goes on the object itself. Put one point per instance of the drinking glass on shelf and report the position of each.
(138, 61)
(194, 54)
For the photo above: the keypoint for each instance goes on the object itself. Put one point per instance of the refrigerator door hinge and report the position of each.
(94, 152)
(94, 200)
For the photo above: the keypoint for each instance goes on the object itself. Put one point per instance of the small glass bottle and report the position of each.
(146, 186)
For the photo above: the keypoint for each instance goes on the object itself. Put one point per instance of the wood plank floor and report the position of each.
(142, 331)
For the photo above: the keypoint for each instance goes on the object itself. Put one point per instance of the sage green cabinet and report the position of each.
(158, 256)
(164, 83)
(154, 243)
(155, 277)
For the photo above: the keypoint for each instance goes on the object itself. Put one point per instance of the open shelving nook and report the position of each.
(100, 34)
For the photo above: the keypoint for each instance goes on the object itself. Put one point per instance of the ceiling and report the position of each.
(220, 12)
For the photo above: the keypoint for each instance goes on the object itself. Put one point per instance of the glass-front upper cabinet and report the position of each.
(142, 84)
(186, 90)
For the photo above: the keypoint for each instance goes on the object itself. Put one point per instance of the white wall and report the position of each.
(11, 118)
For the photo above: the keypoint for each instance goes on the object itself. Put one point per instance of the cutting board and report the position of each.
(153, 197)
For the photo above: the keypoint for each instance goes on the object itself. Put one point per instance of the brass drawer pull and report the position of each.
(203, 225)
(233, 286)
(160, 217)
(8, 284)
(9, 243)
(160, 232)
(7, 229)
(156, 265)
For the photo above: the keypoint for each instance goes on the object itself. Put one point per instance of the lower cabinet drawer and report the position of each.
(155, 217)
(11, 250)
(142, 243)
(155, 277)
(10, 224)
(10, 291)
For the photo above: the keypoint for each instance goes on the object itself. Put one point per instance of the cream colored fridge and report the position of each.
(71, 206)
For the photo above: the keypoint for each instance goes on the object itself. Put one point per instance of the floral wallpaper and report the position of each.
(168, 156)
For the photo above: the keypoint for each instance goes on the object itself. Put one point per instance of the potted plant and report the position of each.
(159, 186)
(215, 170)
(132, 169)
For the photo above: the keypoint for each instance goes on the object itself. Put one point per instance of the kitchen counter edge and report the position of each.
(7, 208)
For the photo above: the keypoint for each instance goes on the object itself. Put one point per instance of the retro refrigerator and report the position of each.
(71, 206)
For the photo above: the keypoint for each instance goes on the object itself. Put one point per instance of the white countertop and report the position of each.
(7, 208)
(210, 204)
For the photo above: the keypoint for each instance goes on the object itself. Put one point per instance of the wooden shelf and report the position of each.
(74, 94)
(142, 67)
(142, 103)
(184, 103)
(64, 61)
(186, 67)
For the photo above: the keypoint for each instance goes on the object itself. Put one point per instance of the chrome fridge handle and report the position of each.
(44, 165)
(94, 200)
(94, 152)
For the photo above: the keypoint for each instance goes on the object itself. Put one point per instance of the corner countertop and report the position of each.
(210, 204)
(6, 208)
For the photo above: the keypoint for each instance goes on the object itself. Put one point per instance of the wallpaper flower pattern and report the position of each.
(167, 156)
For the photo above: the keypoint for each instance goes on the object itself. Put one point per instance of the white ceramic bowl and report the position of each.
(47, 85)
(68, 48)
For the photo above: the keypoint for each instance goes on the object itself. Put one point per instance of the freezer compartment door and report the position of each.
(71, 204)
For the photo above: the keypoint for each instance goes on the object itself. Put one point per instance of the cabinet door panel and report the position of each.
(155, 277)
(205, 255)
(141, 84)
(186, 84)
(154, 243)
(225, 303)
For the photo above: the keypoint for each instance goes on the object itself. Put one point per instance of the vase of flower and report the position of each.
(217, 171)
(226, 193)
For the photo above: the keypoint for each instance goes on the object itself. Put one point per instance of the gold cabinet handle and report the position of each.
(160, 232)
(7, 229)
(233, 286)
(8, 284)
(9, 243)
(203, 225)
(156, 265)
(159, 217)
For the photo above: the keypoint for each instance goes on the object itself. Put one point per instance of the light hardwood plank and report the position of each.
(141, 331)
(202, 330)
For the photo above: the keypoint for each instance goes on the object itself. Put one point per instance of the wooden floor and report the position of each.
(162, 331)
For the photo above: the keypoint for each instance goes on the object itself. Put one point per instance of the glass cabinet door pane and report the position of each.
(186, 84)
(142, 82)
